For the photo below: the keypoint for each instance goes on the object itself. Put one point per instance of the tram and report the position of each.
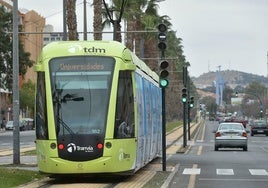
(98, 109)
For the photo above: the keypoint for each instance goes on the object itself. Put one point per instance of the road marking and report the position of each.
(258, 172)
(243, 180)
(193, 171)
(199, 151)
(225, 172)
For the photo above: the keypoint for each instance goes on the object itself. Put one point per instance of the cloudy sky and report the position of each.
(232, 34)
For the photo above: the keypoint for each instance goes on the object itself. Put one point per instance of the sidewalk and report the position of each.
(172, 139)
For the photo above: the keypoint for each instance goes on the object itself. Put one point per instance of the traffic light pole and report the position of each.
(185, 104)
(188, 111)
(184, 125)
(189, 122)
(163, 82)
(163, 129)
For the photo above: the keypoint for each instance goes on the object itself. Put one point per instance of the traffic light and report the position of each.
(236, 94)
(191, 102)
(184, 95)
(162, 29)
(163, 73)
(261, 113)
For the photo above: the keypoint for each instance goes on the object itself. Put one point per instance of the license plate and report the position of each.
(260, 131)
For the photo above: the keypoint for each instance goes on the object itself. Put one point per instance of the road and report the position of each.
(202, 167)
(27, 139)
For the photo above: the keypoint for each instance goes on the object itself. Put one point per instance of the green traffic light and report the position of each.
(163, 82)
(184, 100)
(191, 105)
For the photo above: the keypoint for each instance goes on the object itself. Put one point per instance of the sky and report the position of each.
(216, 34)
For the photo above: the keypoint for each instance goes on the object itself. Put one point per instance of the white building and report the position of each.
(50, 36)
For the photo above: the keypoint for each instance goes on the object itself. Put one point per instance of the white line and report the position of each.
(191, 171)
(225, 172)
(243, 180)
(258, 172)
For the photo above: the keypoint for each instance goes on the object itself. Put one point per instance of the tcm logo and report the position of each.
(73, 148)
(94, 50)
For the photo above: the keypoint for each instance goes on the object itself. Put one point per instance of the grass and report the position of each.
(32, 152)
(172, 125)
(157, 181)
(13, 177)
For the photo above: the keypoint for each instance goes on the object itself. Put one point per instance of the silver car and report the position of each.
(231, 135)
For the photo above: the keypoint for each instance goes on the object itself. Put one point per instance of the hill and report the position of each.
(231, 78)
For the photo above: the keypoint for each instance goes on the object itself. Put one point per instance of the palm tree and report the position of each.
(97, 21)
(114, 15)
(71, 19)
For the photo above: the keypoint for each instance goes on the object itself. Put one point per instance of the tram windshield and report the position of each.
(81, 91)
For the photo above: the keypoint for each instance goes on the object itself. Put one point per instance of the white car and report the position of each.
(10, 126)
(231, 135)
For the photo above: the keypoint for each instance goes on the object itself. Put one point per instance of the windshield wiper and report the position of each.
(71, 97)
(64, 125)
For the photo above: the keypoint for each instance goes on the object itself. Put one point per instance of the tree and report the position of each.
(256, 89)
(257, 92)
(228, 93)
(71, 19)
(6, 63)
(97, 21)
(210, 104)
(26, 98)
(142, 15)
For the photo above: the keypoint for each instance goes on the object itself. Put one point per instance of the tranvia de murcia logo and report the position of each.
(72, 148)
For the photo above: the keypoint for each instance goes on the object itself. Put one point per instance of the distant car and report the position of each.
(231, 135)
(28, 123)
(10, 126)
(259, 127)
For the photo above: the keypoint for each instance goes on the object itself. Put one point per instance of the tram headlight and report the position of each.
(108, 144)
(53, 145)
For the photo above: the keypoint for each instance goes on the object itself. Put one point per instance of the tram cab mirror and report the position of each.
(38, 68)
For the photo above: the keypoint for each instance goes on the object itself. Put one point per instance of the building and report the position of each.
(32, 26)
(50, 36)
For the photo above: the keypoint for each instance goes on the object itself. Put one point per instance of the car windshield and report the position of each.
(230, 126)
(260, 123)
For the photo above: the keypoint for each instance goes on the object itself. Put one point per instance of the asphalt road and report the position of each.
(202, 167)
(27, 139)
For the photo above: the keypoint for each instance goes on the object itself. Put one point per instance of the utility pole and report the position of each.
(85, 19)
(16, 105)
(64, 21)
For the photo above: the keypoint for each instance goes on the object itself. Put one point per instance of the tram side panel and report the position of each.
(148, 119)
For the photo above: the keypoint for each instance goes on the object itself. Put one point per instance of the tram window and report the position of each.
(41, 108)
(124, 117)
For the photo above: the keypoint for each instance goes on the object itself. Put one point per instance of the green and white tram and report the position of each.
(98, 109)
